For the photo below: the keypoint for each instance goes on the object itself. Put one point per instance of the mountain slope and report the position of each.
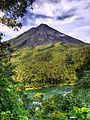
(43, 35)
(51, 65)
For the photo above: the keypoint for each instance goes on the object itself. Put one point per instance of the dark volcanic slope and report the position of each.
(43, 35)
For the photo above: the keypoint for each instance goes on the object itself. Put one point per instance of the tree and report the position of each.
(11, 104)
(12, 11)
(5, 72)
(10, 101)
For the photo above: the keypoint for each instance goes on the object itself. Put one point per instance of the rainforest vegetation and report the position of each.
(45, 83)
(51, 65)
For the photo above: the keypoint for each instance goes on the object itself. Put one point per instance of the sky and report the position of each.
(71, 17)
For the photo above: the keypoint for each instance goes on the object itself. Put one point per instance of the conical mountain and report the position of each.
(43, 35)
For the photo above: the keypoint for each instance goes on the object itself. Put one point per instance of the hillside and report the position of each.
(42, 35)
(51, 65)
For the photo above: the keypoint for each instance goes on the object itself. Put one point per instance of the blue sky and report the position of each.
(71, 17)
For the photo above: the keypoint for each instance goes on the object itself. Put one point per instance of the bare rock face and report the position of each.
(43, 35)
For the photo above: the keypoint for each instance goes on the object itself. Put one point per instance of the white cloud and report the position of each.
(9, 33)
(82, 33)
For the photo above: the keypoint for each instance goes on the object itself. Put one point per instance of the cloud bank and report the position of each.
(71, 17)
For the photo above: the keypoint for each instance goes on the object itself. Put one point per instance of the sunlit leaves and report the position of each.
(43, 66)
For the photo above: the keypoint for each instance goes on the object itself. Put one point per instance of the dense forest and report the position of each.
(31, 80)
(11, 106)
(51, 65)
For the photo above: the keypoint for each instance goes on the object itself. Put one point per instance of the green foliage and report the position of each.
(88, 116)
(63, 106)
(84, 82)
(38, 96)
(6, 115)
(58, 116)
(50, 65)
(42, 67)
(81, 113)
(11, 105)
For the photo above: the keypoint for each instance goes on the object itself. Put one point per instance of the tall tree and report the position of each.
(11, 105)
(5, 73)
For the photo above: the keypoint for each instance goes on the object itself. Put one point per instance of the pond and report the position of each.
(50, 92)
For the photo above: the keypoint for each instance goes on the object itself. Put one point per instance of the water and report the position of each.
(50, 92)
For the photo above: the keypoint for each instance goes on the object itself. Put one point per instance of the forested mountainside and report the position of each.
(47, 57)
(52, 65)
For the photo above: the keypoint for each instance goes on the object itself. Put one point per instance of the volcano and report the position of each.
(43, 35)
